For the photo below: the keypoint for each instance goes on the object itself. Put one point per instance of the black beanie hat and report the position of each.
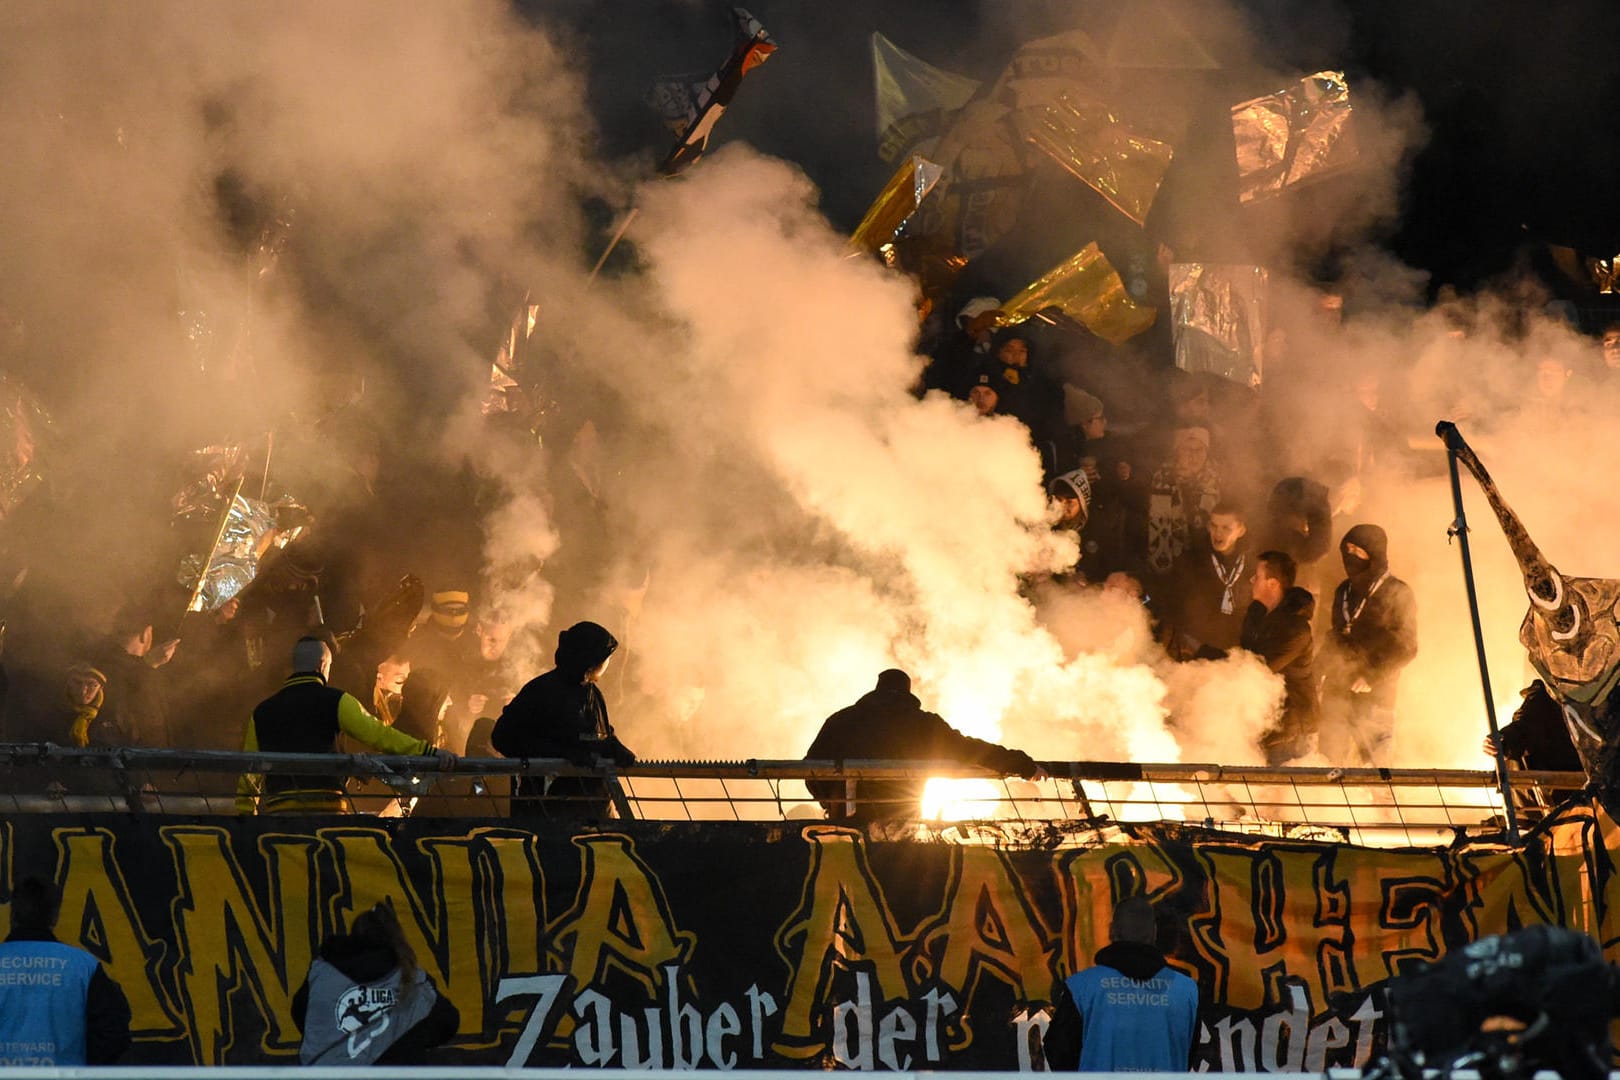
(583, 646)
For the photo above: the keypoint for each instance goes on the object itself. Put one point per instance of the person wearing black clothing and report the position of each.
(889, 723)
(562, 714)
(1210, 589)
(1026, 393)
(1538, 738)
(1277, 628)
(135, 711)
(1298, 521)
(60, 1007)
(422, 706)
(1374, 636)
(366, 1002)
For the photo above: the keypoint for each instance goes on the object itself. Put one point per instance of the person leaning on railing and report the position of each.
(889, 723)
(306, 716)
(562, 714)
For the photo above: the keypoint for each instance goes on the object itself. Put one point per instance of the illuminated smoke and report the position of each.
(805, 522)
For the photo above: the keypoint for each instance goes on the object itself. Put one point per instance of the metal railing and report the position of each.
(1369, 805)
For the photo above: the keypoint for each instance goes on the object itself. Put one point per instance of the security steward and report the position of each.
(58, 1005)
(306, 716)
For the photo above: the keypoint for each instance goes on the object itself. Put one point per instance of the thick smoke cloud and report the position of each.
(784, 519)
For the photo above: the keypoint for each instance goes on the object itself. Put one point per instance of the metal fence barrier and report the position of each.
(1368, 805)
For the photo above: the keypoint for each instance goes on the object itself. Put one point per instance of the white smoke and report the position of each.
(799, 520)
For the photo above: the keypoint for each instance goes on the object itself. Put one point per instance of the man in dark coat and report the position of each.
(1277, 628)
(135, 711)
(890, 724)
(562, 714)
(1210, 592)
(1538, 738)
(1374, 636)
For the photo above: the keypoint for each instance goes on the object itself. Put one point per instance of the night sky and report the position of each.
(1516, 97)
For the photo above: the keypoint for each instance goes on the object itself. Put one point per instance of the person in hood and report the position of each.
(1374, 636)
(1277, 628)
(1131, 1012)
(367, 1002)
(562, 714)
(890, 724)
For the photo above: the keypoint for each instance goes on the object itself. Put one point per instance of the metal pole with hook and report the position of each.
(1459, 530)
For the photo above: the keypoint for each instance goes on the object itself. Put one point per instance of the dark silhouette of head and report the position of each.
(379, 926)
(894, 681)
(35, 903)
(1134, 921)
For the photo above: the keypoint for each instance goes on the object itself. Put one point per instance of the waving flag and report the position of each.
(898, 200)
(1087, 289)
(916, 101)
(692, 108)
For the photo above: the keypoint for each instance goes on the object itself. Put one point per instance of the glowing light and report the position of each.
(946, 799)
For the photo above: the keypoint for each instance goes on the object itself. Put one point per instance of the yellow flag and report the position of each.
(898, 200)
(1087, 289)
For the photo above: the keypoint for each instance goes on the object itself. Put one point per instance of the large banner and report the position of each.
(722, 945)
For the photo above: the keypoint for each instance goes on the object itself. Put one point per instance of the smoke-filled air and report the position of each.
(307, 228)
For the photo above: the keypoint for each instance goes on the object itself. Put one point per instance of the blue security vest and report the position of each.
(1131, 1026)
(43, 987)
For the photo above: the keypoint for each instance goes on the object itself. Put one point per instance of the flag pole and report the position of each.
(1459, 529)
(219, 533)
(618, 235)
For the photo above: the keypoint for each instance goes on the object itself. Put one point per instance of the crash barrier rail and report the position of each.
(434, 1072)
(1365, 805)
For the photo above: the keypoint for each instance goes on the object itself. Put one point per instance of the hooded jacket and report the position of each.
(1282, 638)
(365, 1013)
(889, 723)
(1299, 519)
(1374, 622)
(560, 715)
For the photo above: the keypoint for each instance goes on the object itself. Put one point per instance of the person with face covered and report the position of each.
(562, 714)
(444, 642)
(1374, 636)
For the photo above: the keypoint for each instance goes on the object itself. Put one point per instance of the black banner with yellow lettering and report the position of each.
(721, 945)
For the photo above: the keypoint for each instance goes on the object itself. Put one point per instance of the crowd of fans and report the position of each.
(1197, 501)
(1238, 514)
